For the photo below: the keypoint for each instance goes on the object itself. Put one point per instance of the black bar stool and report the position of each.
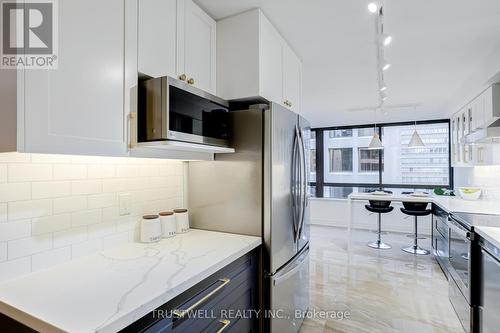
(379, 207)
(415, 209)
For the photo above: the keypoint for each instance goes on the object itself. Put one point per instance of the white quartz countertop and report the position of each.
(491, 234)
(449, 204)
(108, 291)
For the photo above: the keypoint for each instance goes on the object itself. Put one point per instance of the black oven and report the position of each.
(464, 254)
(170, 109)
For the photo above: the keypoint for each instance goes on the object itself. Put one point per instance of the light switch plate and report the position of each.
(124, 204)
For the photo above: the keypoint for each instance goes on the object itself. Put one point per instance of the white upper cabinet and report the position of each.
(473, 119)
(271, 62)
(78, 108)
(292, 78)
(253, 60)
(177, 38)
(157, 37)
(199, 41)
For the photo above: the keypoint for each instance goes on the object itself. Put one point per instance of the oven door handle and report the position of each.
(460, 231)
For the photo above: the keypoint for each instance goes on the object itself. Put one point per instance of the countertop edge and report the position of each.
(124, 321)
(483, 232)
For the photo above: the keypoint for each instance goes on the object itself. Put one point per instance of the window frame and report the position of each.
(341, 155)
(319, 184)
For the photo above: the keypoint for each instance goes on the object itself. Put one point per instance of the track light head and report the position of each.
(372, 7)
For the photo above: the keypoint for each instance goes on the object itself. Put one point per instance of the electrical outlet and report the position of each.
(124, 203)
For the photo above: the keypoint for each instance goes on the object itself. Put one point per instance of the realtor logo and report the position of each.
(29, 34)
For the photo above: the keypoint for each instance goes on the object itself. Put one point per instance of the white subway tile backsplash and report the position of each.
(3, 173)
(80, 187)
(15, 230)
(49, 258)
(52, 189)
(29, 172)
(102, 200)
(50, 158)
(70, 171)
(3, 212)
(70, 204)
(43, 225)
(26, 246)
(3, 251)
(69, 237)
(14, 268)
(57, 207)
(86, 217)
(28, 209)
(15, 158)
(100, 230)
(149, 170)
(101, 171)
(82, 159)
(127, 171)
(15, 191)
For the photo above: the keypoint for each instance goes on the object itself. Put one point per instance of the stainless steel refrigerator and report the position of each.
(262, 190)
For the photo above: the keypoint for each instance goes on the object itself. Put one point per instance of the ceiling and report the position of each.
(443, 53)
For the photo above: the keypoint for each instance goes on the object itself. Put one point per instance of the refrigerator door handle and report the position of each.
(303, 184)
(294, 183)
(301, 259)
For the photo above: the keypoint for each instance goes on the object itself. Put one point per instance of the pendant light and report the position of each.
(416, 140)
(375, 143)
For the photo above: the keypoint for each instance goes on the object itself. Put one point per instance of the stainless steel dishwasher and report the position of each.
(490, 288)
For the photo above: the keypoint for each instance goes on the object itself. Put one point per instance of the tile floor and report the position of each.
(383, 290)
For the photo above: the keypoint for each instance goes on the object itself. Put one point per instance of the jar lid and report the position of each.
(166, 213)
(150, 217)
(180, 210)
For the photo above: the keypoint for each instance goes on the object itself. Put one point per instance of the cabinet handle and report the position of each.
(182, 77)
(225, 323)
(190, 81)
(179, 314)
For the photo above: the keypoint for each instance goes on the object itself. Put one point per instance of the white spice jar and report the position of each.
(150, 229)
(182, 220)
(168, 224)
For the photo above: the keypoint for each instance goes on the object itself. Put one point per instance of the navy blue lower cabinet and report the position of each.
(224, 302)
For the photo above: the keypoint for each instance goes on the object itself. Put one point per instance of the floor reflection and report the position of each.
(382, 290)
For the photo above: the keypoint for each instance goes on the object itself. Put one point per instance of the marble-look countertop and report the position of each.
(449, 204)
(108, 291)
(491, 234)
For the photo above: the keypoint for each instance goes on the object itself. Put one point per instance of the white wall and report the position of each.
(57, 207)
(335, 212)
(485, 177)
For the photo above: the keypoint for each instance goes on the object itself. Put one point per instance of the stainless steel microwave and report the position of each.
(170, 109)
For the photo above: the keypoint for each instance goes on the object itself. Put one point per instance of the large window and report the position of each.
(343, 163)
(345, 133)
(340, 159)
(370, 160)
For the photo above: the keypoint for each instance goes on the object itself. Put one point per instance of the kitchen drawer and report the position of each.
(441, 227)
(220, 291)
(442, 252)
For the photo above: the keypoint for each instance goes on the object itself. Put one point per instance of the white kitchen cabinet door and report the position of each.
(157, 37)
(292, 73)
(478, 116)
(198, 34)
(271, 62)
(78, 108)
